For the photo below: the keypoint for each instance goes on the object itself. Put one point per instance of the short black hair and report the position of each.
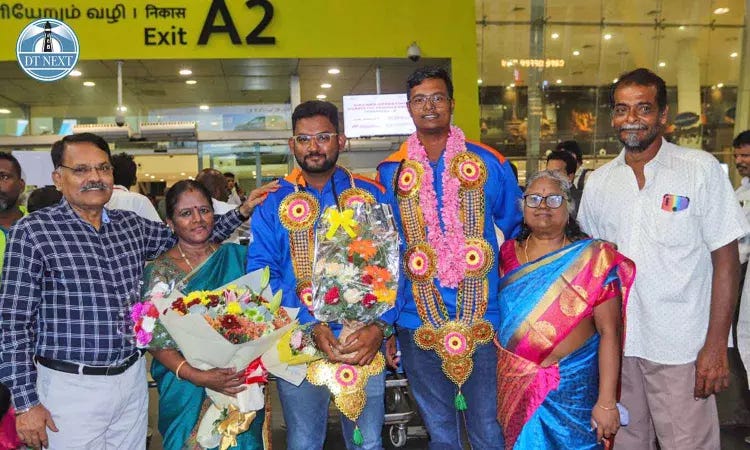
(229, 174)
(4, 400)
(566, 157)
(641, 77)
(175, 192)
(58, 148)
(741, 139)
(124, 169)
(312, 108)
(42, 198)
(571, 147)
(13, 161)
(423, 73)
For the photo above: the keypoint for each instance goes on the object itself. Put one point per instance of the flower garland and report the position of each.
(449, 244)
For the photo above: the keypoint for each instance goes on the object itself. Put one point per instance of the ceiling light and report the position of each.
(191, 178)
(326, 85)
(512, 85)
(607, 37)
(89, 83)
(186, 72)
(190, 82)
(321, 96)
(576, 53)
(662, 64)
(334, 71)
(733, 55)
(558, 81)
(75, 73)
(161, 179)
(214, 124)
(121, 108)
(182, 174)
(479, 81)
(554, 35)
(152, 177)
(721, 10)
(615, 80)
(720, 85)
(145, 174)
(4, 111)
(204, 107)
(681, 27)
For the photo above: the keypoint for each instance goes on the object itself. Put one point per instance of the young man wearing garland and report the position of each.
(448, 194)
(283, 228)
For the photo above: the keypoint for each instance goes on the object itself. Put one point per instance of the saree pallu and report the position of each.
(540, 304)
(181, 403)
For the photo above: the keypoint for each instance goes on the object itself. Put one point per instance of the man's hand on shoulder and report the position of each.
(32, 425)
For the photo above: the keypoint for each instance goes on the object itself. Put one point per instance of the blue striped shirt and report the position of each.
(66, 287)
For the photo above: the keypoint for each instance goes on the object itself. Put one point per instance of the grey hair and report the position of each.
(562, 182)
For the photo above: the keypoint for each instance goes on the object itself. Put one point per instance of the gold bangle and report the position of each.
(177, 372)
(607, 409)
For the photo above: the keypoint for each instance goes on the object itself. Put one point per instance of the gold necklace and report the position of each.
(526, 246)
(179, 249)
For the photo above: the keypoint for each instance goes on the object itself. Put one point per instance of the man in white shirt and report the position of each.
(741, 146)
(124, 172)
(672, 211)
(216, 184)
(235, 191)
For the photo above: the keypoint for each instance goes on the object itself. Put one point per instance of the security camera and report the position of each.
(120, 119)
(414, 52)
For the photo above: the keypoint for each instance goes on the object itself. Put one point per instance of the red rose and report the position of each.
(367, 278)
(369, 300)
(229, 322)
(332, 296)
(179, 305)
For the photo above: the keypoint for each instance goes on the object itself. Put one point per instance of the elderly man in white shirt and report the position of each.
(216, 184)
(672, 211)
(124, 172)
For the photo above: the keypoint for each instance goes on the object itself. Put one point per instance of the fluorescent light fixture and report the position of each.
(558, 81)
(576, 53)
(204, 107)
(89, 83)
(186, 72)
(75, 73)
(326, 85)
(607, 36)
(334, 71)
(681, 27)
(4, 111)
(190, 82)
(722, 10)
(733, 55)
(555, 35)
(662, 64)
(321, 96)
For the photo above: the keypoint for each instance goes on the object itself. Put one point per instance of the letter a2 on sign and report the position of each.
(47, 49)
(219, 7)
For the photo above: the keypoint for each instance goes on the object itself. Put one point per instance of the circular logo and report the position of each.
(47, 49)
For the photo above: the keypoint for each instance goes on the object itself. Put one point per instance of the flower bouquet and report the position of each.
(354, 281)
(228, 327)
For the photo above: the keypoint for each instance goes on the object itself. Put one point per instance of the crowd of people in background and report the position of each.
(592, 308)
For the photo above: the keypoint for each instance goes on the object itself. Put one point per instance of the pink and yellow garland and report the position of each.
(449, 244)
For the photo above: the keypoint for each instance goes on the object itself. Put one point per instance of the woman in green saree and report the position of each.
(196, 263)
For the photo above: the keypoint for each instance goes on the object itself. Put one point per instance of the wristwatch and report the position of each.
(385, 327)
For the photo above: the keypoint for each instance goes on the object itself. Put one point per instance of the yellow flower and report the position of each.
(234, 308)
(386, 295)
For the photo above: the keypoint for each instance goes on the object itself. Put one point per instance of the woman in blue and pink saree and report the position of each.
(562, 303)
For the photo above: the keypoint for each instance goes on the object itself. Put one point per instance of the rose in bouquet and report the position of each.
(355, 277)
(228, 327)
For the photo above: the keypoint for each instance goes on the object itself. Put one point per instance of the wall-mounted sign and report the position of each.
(376, 115)
(539, 63)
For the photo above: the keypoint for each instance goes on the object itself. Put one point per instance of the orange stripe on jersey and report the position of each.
(398, 155)
(370, 181)
(496, 153)
(296, 175)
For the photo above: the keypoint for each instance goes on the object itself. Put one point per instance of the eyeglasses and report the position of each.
(435, 99)
(306, 139)
(82, 171)
(553, 201)
(641, 110)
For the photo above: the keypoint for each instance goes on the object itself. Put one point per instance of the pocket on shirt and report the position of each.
(672, 228)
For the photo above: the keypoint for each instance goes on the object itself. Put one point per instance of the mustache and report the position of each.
(313, 155)
(94, 186)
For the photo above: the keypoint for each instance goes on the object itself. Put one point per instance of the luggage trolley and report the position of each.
(401, 410)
